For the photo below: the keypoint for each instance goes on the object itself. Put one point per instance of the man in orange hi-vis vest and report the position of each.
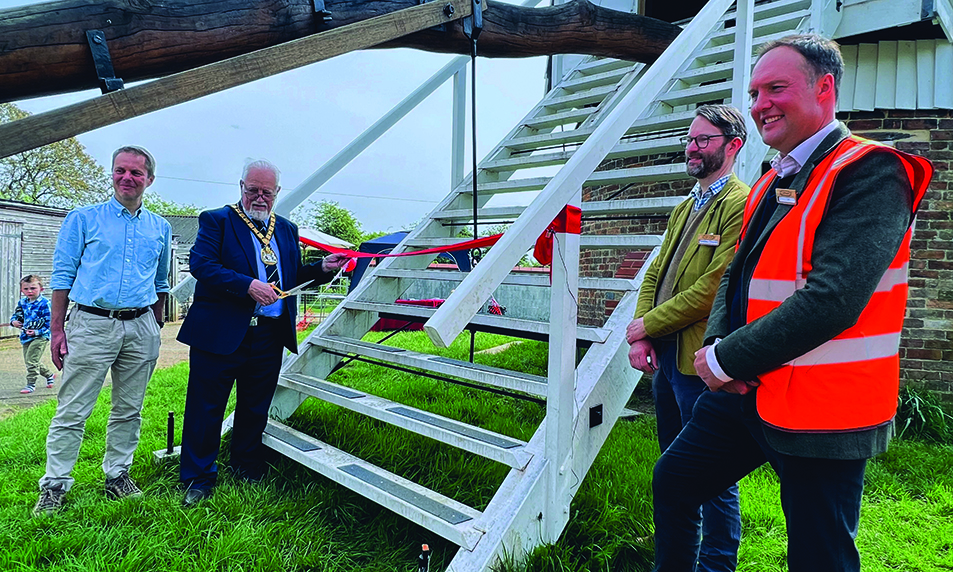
(801, 350)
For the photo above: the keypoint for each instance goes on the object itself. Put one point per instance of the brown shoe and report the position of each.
(122, 487)
(51, 501)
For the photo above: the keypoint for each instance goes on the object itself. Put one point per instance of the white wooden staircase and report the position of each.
(602, 109)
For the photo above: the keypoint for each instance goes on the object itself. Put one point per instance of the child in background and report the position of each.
(32, 316)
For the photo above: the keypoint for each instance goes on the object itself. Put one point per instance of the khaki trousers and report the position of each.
(33, 352)
(126, 348)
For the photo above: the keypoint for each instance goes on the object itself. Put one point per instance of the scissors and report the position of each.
(293, 292)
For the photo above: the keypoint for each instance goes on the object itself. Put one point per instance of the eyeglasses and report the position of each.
(701, 141)
(253, 193)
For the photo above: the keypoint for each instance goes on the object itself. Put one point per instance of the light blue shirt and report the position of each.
(110, 258)
(271, 310)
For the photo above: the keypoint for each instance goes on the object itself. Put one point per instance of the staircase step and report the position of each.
(578, 99)
(467, 437)
(632, 241)
(450, 519)
(541, 280)
(660, 206)
(625, 148)
(479, 373)
(725, 53)
(786, 22)
(491, 214)
(695, 76)
(697, 94)
(649, 174)
(602, 65)
(581, 82)
(771, 9)
(481, 322)
(551, 120)
(513, 186)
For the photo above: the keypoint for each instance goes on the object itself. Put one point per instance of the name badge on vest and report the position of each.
(786, 196)
(709, 239)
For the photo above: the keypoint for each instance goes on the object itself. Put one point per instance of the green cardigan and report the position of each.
(698, 274)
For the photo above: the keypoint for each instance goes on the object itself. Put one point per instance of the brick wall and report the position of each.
(927, 344)
(926, 348)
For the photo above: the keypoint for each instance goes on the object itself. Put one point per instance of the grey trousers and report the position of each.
(33, 352)
(126, 348)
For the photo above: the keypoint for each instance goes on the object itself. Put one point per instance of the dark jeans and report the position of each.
(675, 395)
(722, 443)
(253, 368)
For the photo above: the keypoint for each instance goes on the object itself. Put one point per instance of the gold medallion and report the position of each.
(268, 256)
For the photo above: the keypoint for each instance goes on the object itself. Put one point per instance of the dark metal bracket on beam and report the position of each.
(104, 65)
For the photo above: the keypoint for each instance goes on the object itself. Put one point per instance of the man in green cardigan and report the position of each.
(677, 295)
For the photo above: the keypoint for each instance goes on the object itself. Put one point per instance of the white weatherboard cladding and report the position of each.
(897, 75)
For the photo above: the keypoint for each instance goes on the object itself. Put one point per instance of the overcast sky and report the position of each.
(302, 118)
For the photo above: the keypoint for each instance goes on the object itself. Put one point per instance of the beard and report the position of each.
(259, 215)
(708, 165)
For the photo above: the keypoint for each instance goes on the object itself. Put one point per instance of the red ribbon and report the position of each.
(466, 245)
(568, 221)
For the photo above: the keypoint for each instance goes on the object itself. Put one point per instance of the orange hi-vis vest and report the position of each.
(850, 382)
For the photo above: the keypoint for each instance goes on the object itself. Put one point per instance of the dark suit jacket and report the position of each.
(224, 262)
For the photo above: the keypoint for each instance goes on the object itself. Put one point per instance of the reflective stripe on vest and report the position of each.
(851, 381)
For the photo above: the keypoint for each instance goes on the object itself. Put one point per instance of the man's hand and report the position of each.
(16, 324)
(642, 357)
(738, 386)
(635, 331)
(262, 293)
(334, 262)
(58, 348)
(704, 371)
(30, 332)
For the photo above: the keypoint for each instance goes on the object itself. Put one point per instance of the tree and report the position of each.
(158, 205)
(61, 174)
(330, 218)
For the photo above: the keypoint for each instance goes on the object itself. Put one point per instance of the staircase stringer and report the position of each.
(515, 521)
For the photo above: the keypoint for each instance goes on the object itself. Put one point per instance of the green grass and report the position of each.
(298, 521)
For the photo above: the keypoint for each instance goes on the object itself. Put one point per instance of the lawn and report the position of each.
(299, 521)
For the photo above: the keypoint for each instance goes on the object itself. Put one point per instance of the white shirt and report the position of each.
(785, 165)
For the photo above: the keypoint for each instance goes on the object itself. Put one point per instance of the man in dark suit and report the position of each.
(238, 327)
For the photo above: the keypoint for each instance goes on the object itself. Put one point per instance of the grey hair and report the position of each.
(727, 118)
(823, 56)
(142, 152)
(262, 164)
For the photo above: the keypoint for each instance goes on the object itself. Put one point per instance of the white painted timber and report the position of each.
(620, 241)
(848, 83)
(450, 319)
(339, 467)
(515, 279)
(866, 83)
(487, 375)
(926, 52)
(886, 96)
(489, 321)
(906, 82)
(469, 438)
(862, 16)
(943, 15)
(657, 205)
(557, 119)
(943, 86)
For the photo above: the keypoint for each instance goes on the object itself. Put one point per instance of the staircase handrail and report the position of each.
(466, 300)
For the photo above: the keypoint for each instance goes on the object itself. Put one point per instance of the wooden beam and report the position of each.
(52, 126)
(44, 50)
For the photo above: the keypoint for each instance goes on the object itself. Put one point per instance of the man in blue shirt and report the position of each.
(112, 261)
